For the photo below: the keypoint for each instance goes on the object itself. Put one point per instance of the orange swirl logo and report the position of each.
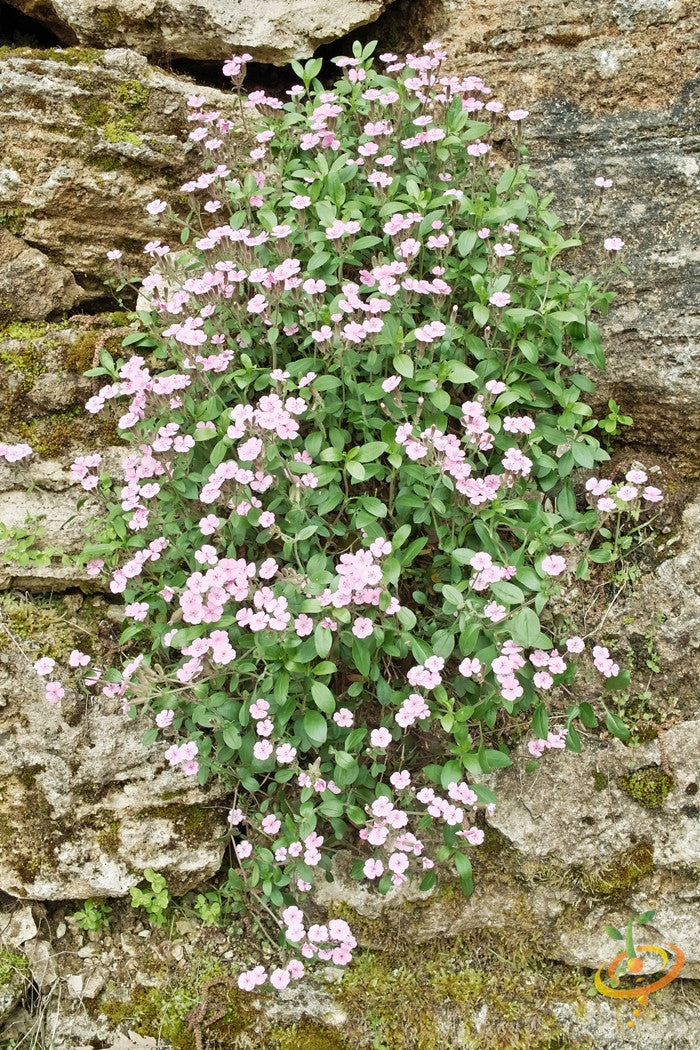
(652, 966)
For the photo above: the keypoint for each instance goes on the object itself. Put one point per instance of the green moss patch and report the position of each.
(648, 786)
(30, 350)
(205, 998)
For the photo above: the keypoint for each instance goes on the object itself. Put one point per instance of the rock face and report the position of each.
(31, 286)
(85, 807)
(583, 841)
(273, 31)
(87, 140)
(611, 89)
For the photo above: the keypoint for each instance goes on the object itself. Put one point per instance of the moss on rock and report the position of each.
(648, 786)
(621, 873)
(29, 350)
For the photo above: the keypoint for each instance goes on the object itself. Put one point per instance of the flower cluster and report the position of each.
(335, 536)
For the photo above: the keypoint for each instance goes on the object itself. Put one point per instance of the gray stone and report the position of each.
(273, 31)
(11, 992)
(78, 170)
(31, 286)
(84, 807)
(17, 926)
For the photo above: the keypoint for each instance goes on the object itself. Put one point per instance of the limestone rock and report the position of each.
(611, 90)
(85, 808)
(652, 333)
(613, 815)
(87, 139)
(661, 612)
(45, 527)
(31, 286)
(568, 859)
(12, 988)
(17, 926)
(272, 31)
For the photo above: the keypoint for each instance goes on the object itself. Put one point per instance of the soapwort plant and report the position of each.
(359, 443)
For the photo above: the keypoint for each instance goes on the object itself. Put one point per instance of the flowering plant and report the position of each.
(351, 494)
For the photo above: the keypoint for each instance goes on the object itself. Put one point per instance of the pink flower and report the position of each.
(391, 383)
(380, 737)
(613, 244)
(343, 718)
(271, 824)
(362, 627)
(156, 206)
(165, 719)
(636, 477)
(279, 979)
(475, 836)
(553, 565)
(54, 692)
(262, 750)
(575, 644)
(259, 709)
(518, 114)
(285, 754)
(114, 254)
(78, 659)
(268, 569)
(373, 869)
(652, 495)
(499, 299)
(44, 666)
(303, 625)
(602, 183)
(400, 780)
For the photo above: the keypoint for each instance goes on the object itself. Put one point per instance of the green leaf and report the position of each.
(540, 722)
(361, 656)
(481, 314)
(451, 773)
(428, 881)
(525, 630)
(373, 506)
(465, 242)
(323, 697)
(613, 932)
(317, 261)
(457, 372)
(231, 737)
(616, 726)
(323, 641)
(495, 759)
(356, 471)
(587, 716)
(573, 740)
(371, 451)
(315, 727)
(452, 595)
(404, 366)
(507, 592)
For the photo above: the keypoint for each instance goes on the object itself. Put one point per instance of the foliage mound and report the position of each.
(358, 477)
